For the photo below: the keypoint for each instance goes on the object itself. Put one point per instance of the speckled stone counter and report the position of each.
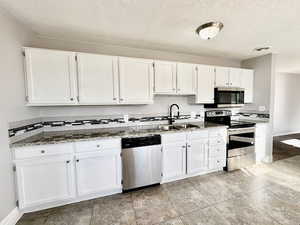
(46, 138)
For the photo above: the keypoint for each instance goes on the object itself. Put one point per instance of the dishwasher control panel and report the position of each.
(134, 142)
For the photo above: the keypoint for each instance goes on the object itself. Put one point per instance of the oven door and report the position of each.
(240, 148)
(228, 97)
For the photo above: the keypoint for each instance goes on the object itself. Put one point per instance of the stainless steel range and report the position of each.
(240, 140)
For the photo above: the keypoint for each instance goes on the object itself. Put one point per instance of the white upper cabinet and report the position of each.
(205, 84)
(68, 78)
(50, 76)
(98, 82)
(222, 77)
(136, 80)
(235, 77)
(247, 80)
(186, 78)
(164, 77)
(228, 77)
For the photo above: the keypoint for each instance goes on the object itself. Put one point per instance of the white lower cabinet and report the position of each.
(53, 175)
(193, 153)
(197, 152)
(45, 180)
(174, 160)
(98, 173)
(261, 132)
(174, 156)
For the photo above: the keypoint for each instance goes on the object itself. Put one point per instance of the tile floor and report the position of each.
(261, 195)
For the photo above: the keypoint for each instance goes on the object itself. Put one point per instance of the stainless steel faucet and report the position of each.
(171, 118)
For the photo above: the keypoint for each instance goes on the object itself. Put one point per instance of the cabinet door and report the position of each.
(97, 79)
(174, 160)
(45, 180)
(261, 141)
(205, 84)
(164, 77)
(50, 76)
(235, 75)
(247, 83)
(186, 78)
(98, 173)
(136, 81)
(197, 156)
(222, 77)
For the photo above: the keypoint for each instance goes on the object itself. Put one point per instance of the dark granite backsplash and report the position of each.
(30, 127)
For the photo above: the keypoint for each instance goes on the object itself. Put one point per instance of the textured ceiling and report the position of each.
(170, 24)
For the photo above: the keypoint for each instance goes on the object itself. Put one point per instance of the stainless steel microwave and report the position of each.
(227, 97)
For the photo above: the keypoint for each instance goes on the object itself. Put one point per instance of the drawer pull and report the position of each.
(77, 160)
(43, 151)
(68, 161)
(189, 146)
(98, 146)
(183, 146)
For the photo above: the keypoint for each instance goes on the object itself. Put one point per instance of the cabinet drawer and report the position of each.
(43, 150)
(174, 137)
(91, 146)
(100, 153)
(217, 151)
(217, 141)
(217, 162)
(198, 135)
(218, 133)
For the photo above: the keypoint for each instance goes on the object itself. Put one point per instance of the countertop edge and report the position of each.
(24, 145)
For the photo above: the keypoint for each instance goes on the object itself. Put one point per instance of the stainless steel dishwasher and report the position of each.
(141, 161)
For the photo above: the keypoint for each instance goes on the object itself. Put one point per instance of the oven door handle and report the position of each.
(242, 139)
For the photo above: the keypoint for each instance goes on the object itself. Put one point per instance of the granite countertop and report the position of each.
(58, 137)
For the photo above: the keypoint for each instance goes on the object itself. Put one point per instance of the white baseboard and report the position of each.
(285, 133)
(12, 218)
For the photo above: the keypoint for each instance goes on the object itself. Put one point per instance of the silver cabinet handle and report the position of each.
(121, 99)
(183, 146)
(114, 98)
(43, 151)
(189, 146)
(98, 146)
(68, 161)
(72, 99)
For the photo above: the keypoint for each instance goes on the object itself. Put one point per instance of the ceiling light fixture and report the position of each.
(262, 48)
(209, 30)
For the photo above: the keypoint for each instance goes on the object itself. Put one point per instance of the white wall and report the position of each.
(287, 109)
(160, 106)
(264, 89)
(262, 80)
(161, 103)
(12, 38)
